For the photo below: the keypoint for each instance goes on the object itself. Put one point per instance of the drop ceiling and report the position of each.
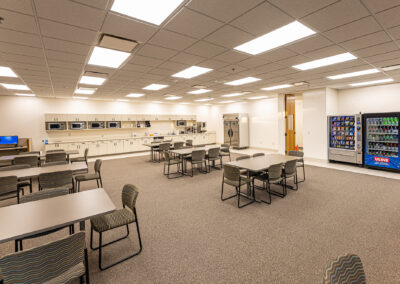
(48, 44)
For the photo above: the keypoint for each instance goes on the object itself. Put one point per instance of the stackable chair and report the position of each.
(212, 156)
(290, 171)
(345, 269)
(9, 188)
(161, 149)
(244, 157)
(61, 179)
(55, 262)
(59, 156)
(94, 176)
(300, 162)
(225, 152)
(119, 218)
(44, 194)
(23, 182)
(232, 176)
(168, 162)
(189, 143)
(33, 161)
(178, 145)
(198, 157)
(81, 159)
(274, 176)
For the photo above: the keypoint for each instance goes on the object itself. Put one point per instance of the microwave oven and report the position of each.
(77, 125)
(55, 126)
(96, 125)
(113, 124)
(181, 123)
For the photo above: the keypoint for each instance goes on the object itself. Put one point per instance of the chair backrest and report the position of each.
(258, 155)
(290, 167)
(275, 171)
(296, 153)
(8, 184)
(164, 146)
(168, 140)
(31, 152)
(55, 179)
(189, 142)
(55, 163)
(225, 148)
(86, 153)
(225, 145)
(198, 155)
(54, 151)
(97, 165)
(345, 269)
(14, 167)
(242, 157)
(213, 153)
(178, 145)
(199, 145)
(167, 156)
(129, 196)
(231, 173)
(56, 157)
(33, 161)
(43, 263)
(44, 194)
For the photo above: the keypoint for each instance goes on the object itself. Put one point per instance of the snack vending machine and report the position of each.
(381, 146)
(345, 138)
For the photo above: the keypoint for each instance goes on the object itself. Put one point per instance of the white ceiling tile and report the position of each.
(65, 64)
(269, 67)
(223, 10)
(70, 13)
(380, 5)
(325, 52)
(63, 56)
(277, 54)
(213, 64)
(18, 22)
(383, 57)
(20, 49)
(205, 49)
(232, 69)
(20, 38)
(300, 8)
(156, 52)
(173, 66)
(376, 49)
(298, 59)
(67, 32)
(262, 19)
(353, 30)
(136, 68)
(389, 18)
(100, 4)
(252, 62)
(25, 59)
(193, 24)
(26, 66)
(128, 28)
(66, 46)
(22, 6)
(337, 14)
(365, 41)
(395, 32)
(231, 56)
(187, 58)
(229, 37)
(171, 40)
(311, 43)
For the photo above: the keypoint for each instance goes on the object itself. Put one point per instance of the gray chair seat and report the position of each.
(243, 181)
(87, 177)
(78, 159)
(224, 153)
(112, 220)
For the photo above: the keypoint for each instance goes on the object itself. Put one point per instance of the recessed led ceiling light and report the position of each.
(155, 87)
(172, 98)
(192, 72)
(200, 91)
(243, 81)
(25, 95)
(85, 91)
(226, 102)
(371, 82)
(353, 74)
(283, 86)
(134, 95)
(107, 57)
(151, 11)
(81, 98)
(122, 100)
(343, 57)
(281, 36)
(258, 97)
(204, 100)
(15, 87)
(7, 72)
(88, 80)
(235, 94)
(391, 67)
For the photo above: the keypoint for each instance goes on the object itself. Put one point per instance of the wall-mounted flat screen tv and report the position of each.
(8, 140)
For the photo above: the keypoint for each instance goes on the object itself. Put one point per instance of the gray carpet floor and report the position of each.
(190, 236)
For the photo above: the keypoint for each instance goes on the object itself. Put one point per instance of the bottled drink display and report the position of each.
(383, 137)
(342, 134)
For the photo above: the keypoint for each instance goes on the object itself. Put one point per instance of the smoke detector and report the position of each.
(117, 43)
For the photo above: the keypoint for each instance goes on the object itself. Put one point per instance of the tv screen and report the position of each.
(7, 140)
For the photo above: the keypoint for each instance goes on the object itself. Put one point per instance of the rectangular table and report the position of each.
(153, 146)
(23, 220)
(35, 172)
(42, 156)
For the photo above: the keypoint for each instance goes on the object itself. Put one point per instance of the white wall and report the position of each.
(24, 116)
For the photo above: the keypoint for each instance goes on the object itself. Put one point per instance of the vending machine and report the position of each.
(345, 138)
(381, 143)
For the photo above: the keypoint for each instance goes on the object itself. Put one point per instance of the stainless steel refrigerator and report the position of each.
(236, 130)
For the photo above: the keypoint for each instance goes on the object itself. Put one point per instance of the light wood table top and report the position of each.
(262, 163)
(22, 220)
(188, 151)
(42, 155)
(34, 172)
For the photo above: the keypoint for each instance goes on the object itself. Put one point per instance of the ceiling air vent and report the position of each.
(117, 43)
(391, 67)
(95, 74)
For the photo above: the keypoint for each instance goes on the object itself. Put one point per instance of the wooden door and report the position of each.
(290, 112)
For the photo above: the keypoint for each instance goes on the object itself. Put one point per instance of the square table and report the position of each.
(31, 218)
